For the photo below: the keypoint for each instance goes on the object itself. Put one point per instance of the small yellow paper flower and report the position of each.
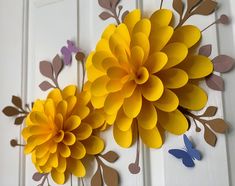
(141, 73)
(59, 133)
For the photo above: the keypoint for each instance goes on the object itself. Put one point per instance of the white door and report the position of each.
(35, 30)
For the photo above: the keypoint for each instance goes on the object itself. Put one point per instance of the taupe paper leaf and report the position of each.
(46, 69)
(104, 3)
(110, 156)
(205, 8)
(209, 136)
(10, 111)
(110, 176)
(37, 176)
(45, 85)
(223, 63)
(210, 111)
(205, 50)
(57, 65)
(19, 120)
(218, 125)
(105, 15)
(192, 3)
(16, 101)
(124, 15)
(96, 180)
(215, 82)
(178, 6)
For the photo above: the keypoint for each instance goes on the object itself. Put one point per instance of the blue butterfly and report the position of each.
(187, 156)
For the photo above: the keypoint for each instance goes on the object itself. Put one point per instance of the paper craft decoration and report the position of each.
(187, 155)
(142, 80)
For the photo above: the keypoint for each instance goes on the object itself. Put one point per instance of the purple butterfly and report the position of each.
(68, 51)
(187, 156)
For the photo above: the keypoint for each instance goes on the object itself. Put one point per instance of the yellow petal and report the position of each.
(152, 138)
(159, 38)
(156, 62)
(113, 102)
(147, 118)
(83, 132)
(117, 45)
(123, 138)
(42, 161)
(84, 97)
(55, 95)
(173, 78)
(69, 91)
(110, 118)
(53, 160)
(132, 105)
(129, 88)
(103, 44)
(92, 72)
(188, 34)
(71, 101)
(131, 19)
(152, 90)
(191, 97)
(122, 30)
(72, 123)
(123, 122)
(78, 150)
(62, 108)
(39, 129)
(59, 121)
(59, 136)
(76, 167)
(94, 145)
(141, 40)
(98, 87)
(82, 111)
(116, 72)
(38, 106)
(173, 122)
(109, 62)
(137, 56)
(197, 67)
(168, 101)
(143, 26)
(69, 138)
(98, 58)
(62, 164)
(109, 30)
(64, 150)
(49, 108)
(98, 101)
(114, 85)
(38, 118)
(176, 53)
(161, 18)
(58, 177)
(95, 119)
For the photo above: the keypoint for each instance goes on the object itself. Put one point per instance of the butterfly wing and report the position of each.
(194, 153)
(72, 47)
(67, 55)
(180, 154)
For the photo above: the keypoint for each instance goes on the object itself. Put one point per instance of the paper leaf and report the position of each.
(192, 3)
(19, 120)
(45, 85)
(210, 111)
(110, 156)
(46, 69)
(96, 180)
(218, 125)
(104, 4)
(124, 15)
(205, 8)
(37, 176)
(215, 82)
(205, 50)
(223, 63)
(110, 176)
(16, 101)
(10, 111)
(178, 6)
(57, 65)
(209, 136)
(114, 3)
(105, 15)
(224, 19)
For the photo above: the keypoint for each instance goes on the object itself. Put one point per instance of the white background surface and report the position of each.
(35, 30)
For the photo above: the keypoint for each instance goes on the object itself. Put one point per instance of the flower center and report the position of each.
(59, 136)
(142, 75)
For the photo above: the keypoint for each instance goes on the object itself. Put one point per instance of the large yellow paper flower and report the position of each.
(140, 73)
(59, 133)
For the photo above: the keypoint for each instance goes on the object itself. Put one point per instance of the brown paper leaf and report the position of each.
(16, 101)
(218, 125)
(192, 3)
(37, 176)
(45, 85)
(19, 120)
(178, 6)
(205, 50)
(10, 111)
(46, 69)
(57, 65)
(209, 136)
(110, 176)
(210, 111)
(110, 156)
(223, 63)
(105, 15)
(104, 4)
(215, 82)
(205, 8)
(114, 3)
(96, 180)
(124, 15)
